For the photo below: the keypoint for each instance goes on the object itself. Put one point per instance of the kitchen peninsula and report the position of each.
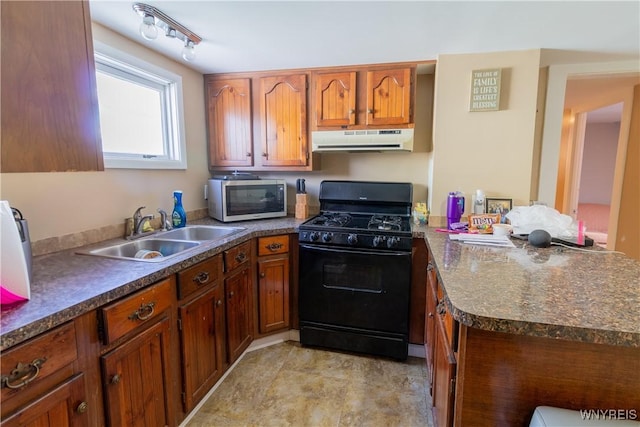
(524, 326)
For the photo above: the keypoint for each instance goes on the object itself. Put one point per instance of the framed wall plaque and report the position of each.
(485, 90)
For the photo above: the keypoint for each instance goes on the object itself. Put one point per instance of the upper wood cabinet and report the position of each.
(335, 95)
(283, 119)
(389, 98)
(361, 97)
(50, 119)
(229, 122)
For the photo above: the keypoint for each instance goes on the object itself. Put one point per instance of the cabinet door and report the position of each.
(389, 97)
(335, 95)
(283, 110)
(430, 321)
(239, 319)
(50, 119)
(444, 373)
(273, 293)
(136, 380)
(202, 345)
(229, 122)
(62, 406)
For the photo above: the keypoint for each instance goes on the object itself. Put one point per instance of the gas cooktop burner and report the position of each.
(332, 220)
(387, 223)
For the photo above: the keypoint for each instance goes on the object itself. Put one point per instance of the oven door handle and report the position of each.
(353, 250)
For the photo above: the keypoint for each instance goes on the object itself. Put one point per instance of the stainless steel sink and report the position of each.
(200, 232)
(168, 248)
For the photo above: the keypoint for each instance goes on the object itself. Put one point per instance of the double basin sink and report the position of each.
(165, 244)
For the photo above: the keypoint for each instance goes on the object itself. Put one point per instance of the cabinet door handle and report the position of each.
(262, 274)
(352, 111)
(265, 155)
(370, 111)
(248, 154)
(24, 373)
(231, 294)
(218, 303)
(274, 246)
(144, 312)
(241, 257)
(441, 309)
(201, 278)
(82, 407)
(115, 379)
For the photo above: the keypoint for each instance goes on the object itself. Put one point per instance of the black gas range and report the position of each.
(355, 268)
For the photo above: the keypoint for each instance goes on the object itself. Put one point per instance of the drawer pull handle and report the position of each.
(144, 312)
(82, 407)
(241, 257)
(201, 278)
(274, 246)
(24, 373)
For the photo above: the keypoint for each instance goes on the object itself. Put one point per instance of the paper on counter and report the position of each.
(14, 276)
(483, 239)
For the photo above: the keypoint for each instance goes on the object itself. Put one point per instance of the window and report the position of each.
(141, 116)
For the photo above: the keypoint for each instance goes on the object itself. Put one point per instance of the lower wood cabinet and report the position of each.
(40, 382)
(136, 379)
(136, 375)
(201, 345)
(61, 406)
(273, 283)
(201, 324)
(239, 304)
(238, 299)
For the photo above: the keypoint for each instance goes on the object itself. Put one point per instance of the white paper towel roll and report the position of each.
(14, 276)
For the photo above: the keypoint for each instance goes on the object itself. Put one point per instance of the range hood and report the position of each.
(362, 140)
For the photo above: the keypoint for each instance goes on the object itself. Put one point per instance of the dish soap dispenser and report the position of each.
(179, 216)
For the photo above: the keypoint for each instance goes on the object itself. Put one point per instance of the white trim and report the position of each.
(175, 127)
(556, 87)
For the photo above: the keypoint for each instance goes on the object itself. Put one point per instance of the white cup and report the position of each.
(502, 229)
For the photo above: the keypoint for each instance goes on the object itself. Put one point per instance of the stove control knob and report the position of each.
(352, 239)
(392, 242)
(314, 236)
(378, 241)
(326, 237)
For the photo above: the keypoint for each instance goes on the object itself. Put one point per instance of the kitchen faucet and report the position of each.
(139, 220)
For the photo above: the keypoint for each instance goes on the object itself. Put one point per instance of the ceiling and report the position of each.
(269, 35)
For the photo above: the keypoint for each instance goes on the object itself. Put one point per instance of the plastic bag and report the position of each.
(525, 219)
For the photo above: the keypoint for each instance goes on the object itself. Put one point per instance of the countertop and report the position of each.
(544, 292)
(551, 292)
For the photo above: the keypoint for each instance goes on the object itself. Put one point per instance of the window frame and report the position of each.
(135, 70)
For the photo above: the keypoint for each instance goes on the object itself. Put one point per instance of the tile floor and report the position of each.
(290, 385)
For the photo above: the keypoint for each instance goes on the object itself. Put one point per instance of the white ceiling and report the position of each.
(266, 35)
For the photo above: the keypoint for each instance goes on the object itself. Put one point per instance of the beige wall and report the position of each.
(57, 204)
(492, 151)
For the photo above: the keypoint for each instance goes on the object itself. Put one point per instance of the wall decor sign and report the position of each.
(485, 90)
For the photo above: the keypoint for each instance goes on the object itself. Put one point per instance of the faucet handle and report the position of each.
(137, 213)
(164, 221)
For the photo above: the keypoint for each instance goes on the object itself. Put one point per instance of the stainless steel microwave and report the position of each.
(239, 200)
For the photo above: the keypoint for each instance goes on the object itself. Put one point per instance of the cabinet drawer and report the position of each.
(237, 256)
(273, 245)
(125, 315)
(199, 276)
(42, 361)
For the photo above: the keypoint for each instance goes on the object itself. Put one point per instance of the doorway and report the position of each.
(593, 151)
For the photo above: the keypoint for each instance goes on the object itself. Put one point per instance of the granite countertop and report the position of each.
(551, 292)
(543, 292)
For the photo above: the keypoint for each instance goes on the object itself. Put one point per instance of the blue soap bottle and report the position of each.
(179, 216)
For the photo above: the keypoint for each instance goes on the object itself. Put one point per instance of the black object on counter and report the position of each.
(300, 186)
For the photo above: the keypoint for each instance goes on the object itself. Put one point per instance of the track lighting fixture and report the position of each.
(153, 18)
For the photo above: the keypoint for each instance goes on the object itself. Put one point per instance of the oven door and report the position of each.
(355, 288)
